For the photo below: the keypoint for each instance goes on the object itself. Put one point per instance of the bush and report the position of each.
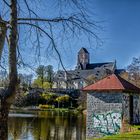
(46, 106)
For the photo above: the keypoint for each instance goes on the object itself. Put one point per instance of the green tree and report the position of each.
(50, 98)
(62, 100)
(37, 83)
(41, 72)
(44, 76)
(50, 75)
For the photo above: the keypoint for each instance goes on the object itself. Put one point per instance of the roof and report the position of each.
(99, 70)
(83, 50)
(108, 65)
(112, 83)
(119, 71)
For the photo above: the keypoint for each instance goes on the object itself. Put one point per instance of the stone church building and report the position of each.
(84, 73)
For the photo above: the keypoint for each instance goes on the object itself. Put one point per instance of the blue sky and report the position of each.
(120, 20)
(122, 30)
(121, 35)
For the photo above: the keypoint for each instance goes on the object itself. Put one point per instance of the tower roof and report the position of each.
(113, 83)
(83, 50)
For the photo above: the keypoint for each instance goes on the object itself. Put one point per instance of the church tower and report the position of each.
(83, 59)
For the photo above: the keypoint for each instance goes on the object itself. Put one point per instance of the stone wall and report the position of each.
(104, 112)
(131, 108)
(136, 109)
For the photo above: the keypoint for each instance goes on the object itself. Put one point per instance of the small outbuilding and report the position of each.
(111, 102)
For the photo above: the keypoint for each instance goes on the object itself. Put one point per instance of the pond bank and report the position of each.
(29, 110)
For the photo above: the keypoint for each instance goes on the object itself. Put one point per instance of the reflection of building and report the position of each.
(84, 73)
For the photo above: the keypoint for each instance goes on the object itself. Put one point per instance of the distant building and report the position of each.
(84, 73)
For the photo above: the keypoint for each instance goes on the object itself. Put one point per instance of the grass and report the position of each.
(123, 136)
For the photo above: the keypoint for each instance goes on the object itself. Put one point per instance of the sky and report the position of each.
(120, 33)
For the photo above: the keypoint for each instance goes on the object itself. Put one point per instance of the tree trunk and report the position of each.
(3, 30)
(8, 97)
(4, 110)
(13, 47)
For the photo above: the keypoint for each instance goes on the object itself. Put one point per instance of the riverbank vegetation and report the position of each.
(125, 136)
(45, 100)
(134, 134)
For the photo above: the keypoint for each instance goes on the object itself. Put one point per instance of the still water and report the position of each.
(47, 126)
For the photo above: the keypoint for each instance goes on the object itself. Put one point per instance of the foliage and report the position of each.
(35, 98)
(64, 98)
(41, 72)
(134, 133)
(46, 106)
(63, 101)
(44, 77)
(49, 98)
(123, 136)
(38, 84)
(47, 85)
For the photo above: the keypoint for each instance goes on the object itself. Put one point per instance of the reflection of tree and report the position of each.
(79, 128)
(16, 127)
(45, 129)
(36, 129)
(48, 126)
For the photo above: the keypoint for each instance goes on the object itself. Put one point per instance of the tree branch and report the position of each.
(43, 19)
(51, 38)
(6, 3)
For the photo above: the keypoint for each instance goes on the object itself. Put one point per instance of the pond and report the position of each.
(50, 125)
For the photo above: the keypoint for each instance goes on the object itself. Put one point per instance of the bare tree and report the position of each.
(21, 13)
(133, 73)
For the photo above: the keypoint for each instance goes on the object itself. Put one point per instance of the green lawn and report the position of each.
(125, 136)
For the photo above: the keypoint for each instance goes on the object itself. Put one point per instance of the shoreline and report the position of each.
(35, 110)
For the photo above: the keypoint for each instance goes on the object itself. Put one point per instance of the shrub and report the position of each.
(46, 106)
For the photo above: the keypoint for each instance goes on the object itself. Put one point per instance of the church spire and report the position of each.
(83, 58)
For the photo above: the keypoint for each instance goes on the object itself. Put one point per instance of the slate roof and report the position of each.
(83, 50)
(108, 65)
(99, 70)
(118, 71)
(112, 83)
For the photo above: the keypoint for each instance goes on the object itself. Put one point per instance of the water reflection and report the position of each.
(48, 126)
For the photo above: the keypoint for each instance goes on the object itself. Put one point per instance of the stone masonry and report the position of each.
(103, 114)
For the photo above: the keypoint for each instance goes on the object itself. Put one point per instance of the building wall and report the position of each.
(136, 109)
(104, 112)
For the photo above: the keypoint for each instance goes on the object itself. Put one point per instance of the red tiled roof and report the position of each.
(112, 82)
